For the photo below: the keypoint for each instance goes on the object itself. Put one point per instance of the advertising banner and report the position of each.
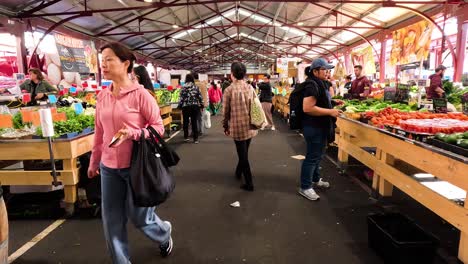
(365, 58)
(76, 55)
(411, 44)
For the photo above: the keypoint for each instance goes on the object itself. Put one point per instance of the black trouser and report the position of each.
(243, 167)
(191, 115)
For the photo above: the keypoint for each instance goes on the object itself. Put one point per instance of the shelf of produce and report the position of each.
(67, 150)
(280, 103)
(444, 165)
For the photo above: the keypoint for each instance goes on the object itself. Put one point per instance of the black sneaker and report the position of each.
(166, 248)
(247, 187)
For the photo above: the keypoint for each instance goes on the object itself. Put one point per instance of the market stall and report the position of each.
(391, 149)
(65, 151)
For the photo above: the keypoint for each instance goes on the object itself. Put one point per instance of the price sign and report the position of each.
(440, 105)
(465, 103)
(52, 99)
(78, 108)
(402, 95)
(422, 83)
(389, 94)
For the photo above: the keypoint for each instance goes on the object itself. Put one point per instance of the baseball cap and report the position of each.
(321, 63)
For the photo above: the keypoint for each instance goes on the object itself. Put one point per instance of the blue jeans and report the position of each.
(117, 207)
(316, 140)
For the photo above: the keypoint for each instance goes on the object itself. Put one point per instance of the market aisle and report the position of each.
(273, 225)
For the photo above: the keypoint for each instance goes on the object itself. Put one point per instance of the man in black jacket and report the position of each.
(266, 98)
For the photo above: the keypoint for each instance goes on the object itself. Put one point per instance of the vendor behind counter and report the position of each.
(36, 86)
(360, 87)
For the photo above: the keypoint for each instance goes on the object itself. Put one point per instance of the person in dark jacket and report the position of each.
(143, 77)
(37, 86)
(436, 88)
(348, 83)
(266, 99)
(191, 103)
(318, 125)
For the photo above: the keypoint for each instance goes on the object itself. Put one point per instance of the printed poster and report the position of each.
(411, 44)
(76, 55)
(365, 58)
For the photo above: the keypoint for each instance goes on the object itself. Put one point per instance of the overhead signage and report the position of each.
(411, 44)
(76, 55)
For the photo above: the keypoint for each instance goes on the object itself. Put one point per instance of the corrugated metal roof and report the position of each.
(191, 33)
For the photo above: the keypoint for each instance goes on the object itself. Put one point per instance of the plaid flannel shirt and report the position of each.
(236, 107)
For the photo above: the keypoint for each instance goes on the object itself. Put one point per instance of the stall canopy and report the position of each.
(207, 35)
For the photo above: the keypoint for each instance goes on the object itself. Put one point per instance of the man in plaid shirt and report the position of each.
(236, 123)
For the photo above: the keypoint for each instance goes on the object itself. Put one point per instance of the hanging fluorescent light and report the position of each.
(148, 1)
(175, 26)
(300, 23)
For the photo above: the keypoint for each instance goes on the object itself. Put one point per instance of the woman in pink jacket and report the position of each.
(215, 95)
(124, 107)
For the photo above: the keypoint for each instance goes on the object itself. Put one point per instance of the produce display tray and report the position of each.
(409, 134)
(450, 147)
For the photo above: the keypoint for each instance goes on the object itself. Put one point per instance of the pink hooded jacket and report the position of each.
(133, 109)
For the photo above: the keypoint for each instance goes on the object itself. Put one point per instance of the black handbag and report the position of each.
(150, 178)
(169, 156)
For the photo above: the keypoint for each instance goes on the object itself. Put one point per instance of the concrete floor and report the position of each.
(273, 225)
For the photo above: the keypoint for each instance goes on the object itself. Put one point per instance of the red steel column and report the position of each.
(461, 49)
(347, 61)
(383, 53)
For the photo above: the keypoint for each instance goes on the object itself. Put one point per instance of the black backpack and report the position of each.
(296, 111)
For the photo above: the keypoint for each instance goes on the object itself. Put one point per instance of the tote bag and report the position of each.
(257, 116)
(150, 179)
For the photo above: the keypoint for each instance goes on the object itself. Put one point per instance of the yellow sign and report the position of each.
(411, 44)
(365, 58)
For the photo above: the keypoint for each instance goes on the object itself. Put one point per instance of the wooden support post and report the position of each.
(376, 178)
(385, 187)
(463, 247)
(343, 156)
(70, 190)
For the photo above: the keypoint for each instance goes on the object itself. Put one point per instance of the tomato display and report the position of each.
(421, 122)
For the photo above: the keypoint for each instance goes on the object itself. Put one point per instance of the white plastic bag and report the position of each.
(206, 118)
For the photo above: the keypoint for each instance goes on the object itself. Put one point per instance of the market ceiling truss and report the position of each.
(264, 50)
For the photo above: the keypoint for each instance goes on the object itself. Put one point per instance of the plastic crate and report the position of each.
(398, 239)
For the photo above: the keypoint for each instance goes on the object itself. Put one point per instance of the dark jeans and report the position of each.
(243, 167)
(192, 112)
(316, 140)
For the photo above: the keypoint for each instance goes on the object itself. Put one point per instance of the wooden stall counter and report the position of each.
(390, 148)
(66, 150)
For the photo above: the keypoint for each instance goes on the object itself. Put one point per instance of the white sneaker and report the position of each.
(309, 194)
(273, 128)
(166, 248)
(322, 184)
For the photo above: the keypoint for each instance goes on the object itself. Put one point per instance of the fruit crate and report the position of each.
(398, 239)
(446, 146)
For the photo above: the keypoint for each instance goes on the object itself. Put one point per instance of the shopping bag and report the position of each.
(150, 179)
(206, 119)
(168, 155)
(257, 116)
